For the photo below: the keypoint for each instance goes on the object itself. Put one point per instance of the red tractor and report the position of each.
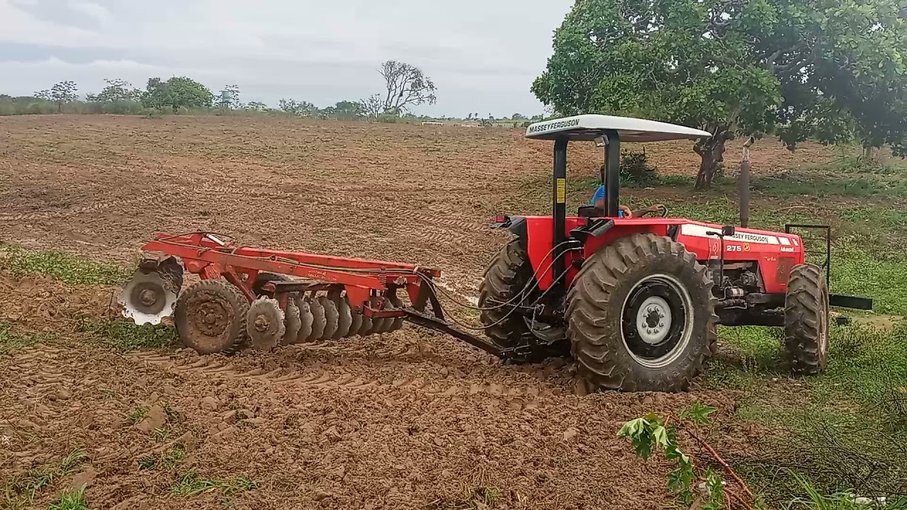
(636, 300)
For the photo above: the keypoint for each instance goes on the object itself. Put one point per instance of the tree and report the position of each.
(228, 98)
(176, 93)
(736, 67)
(518, 116)
(843, 71)
(347, 110)
(406, 86)
(61, 93)
(256, 106)
(372, 106)
(681, 61)
(298, 108)
(117, 90)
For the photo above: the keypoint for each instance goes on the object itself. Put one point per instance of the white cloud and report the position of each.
(93, 10)
(483, 55)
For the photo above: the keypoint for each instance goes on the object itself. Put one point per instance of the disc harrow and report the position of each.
(261, 298)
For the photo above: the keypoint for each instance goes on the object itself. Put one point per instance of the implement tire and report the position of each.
(210, 317)
(505, 278)
(806, 320)
(641, 316)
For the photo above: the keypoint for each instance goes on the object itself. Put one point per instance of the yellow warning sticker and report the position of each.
(561, 191)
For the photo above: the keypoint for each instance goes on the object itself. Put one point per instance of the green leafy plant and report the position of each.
(60, 266)
(21, 491)
(190, 484)
(70, 500)
(651, 434)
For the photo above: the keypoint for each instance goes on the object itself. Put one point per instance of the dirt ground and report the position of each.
(410, 419)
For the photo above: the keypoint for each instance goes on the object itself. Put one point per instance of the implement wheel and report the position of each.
(505, 278)
(641, 316)
(806, 320)
(210, 317)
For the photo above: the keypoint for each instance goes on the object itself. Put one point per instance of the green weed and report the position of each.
(61, 266)
(70, 500)
(166, 460)
(127, 336)
(12, 340)
(172, 457)
(137, 415)
(20, 492)
(190, 484)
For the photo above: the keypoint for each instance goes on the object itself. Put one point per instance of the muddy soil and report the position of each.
(410, 419)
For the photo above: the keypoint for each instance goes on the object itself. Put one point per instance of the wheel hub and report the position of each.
(656, 320)
(209, 317)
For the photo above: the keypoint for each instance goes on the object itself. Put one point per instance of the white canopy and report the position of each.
(590, 127)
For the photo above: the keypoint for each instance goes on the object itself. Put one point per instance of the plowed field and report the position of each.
(410, 419)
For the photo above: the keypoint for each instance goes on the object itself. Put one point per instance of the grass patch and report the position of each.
(70, 500)
(844, 177)
(21, 491)
(190, 484)
(842, 430)
(167, 460)
(128, 336)
(61, 266)
(137, 415)
(858, 272)
(11, 340)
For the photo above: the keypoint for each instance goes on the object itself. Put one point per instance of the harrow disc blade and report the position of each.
(265, 323)
(147, 298)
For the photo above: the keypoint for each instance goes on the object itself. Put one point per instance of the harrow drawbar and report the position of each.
(264, 298)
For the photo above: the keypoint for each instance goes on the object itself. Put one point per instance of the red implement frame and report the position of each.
(210, 257)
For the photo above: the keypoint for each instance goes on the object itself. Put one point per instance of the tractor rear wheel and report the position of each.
(505, 278)
(641, 316)
(210, 317)
(806, 320)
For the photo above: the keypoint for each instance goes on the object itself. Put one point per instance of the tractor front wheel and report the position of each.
(641, 316)
(806, 320)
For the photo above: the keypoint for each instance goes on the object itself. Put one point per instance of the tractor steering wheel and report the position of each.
(659, 208)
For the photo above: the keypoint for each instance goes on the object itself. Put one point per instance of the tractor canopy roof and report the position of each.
(590, 127)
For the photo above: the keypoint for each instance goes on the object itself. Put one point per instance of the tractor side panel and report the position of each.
(775, 253)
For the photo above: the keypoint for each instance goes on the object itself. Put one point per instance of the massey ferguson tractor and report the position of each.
(635, 300)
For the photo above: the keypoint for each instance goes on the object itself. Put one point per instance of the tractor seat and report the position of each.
(590, 211)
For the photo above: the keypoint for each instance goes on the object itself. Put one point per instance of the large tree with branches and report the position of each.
(406, 86)
(736, 67)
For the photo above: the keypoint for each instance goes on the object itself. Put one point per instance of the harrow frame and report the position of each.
(214, 256)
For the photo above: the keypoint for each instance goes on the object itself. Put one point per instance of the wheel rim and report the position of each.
(209, 315)
(656, 321)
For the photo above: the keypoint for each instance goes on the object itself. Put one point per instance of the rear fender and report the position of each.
(537, 234)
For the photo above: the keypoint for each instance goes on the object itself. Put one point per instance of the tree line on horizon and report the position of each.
(406, 86)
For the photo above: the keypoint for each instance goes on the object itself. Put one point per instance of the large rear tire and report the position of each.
(806, 320)
(505, 278)
(641, 316)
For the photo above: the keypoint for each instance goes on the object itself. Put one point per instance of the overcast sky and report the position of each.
(481, 54)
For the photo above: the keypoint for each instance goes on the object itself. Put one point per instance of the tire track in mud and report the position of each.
(153, 199)
(522, 395)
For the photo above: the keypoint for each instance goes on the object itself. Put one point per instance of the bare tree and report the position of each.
(372, 106)
(406, 86)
